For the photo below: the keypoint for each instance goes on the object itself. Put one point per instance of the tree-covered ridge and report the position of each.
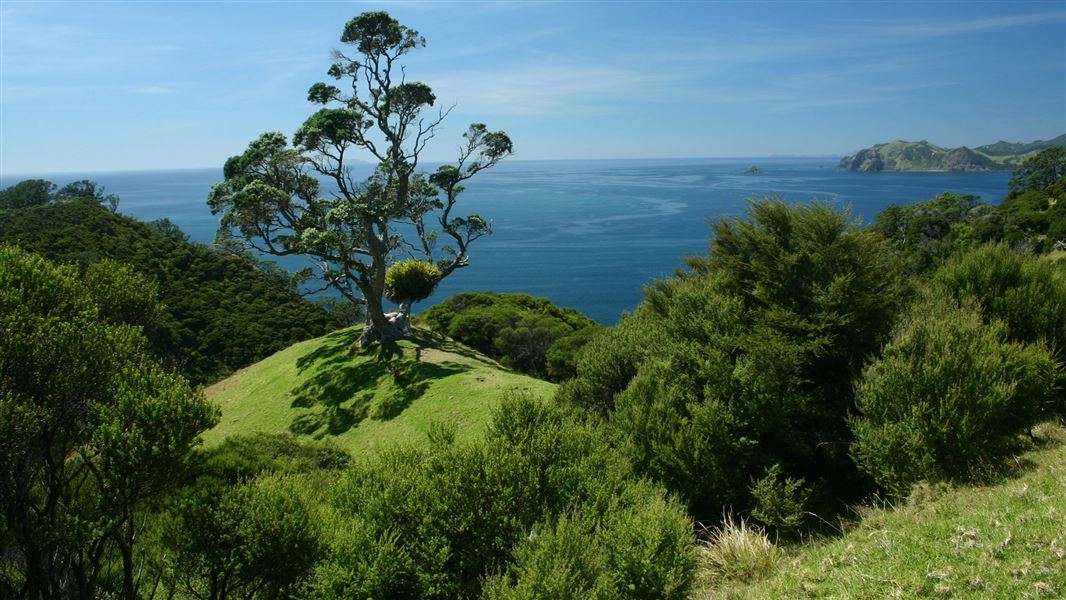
(93, 432)
(220, 311)
(899, 155)
(529, 334)
(1032, 218)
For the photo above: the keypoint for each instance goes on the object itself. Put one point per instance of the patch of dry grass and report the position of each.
(737, 551)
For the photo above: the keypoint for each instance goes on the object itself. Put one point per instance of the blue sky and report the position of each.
(102, 86)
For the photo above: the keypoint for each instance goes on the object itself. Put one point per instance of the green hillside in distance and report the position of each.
(899, 155)
(220, 311)
(322, 389)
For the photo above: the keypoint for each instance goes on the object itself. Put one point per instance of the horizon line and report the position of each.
(508, 161)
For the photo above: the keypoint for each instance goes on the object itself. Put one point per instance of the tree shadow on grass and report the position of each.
(350, 385)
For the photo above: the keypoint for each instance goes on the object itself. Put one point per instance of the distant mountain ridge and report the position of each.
(899, 155)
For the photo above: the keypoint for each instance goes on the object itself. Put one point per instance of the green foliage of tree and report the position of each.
(641, 550)
(410, 281)
(271, 200)
(519, 330)
(1031, 219)
(1026, 294)
(94, 431)
(86, 189)
(437, 522)
(37, 192)
(926, 233)
(947, 398)
(1043, 172)
(30, 192)
(746, 361)
(253, 539)
(220, 312)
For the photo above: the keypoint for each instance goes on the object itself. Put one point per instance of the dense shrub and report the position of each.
(220, 312)
(409, 281)
(251, 539)
(744, 364)
(642, 547)
(242, 457)
(436, 522)
(93, 432)
(529, 334)
(948, 395)
(1027, 294)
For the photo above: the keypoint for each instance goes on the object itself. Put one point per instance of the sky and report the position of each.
(111, 86)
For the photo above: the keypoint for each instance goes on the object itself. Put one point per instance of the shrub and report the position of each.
(563, 353)
(948, 395)
(519, 330)
(438, 521)
(746, 361)
(254, 538)
(1027, 294)
(780, 501)
(409, 281)
(641, 548)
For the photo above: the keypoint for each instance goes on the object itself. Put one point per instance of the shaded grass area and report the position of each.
(1002, 540)
(326, 388)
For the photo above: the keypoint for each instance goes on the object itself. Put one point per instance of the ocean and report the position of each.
(586, 234)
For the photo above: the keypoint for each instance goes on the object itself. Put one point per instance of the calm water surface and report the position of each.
(587, 234)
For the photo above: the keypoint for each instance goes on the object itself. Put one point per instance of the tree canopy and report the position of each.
(91, 428)
(273, 199)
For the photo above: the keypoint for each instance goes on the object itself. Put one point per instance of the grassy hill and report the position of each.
(321, 389)
(899, 155)
(1006, 540)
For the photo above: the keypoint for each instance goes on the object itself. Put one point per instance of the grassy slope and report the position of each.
(319, 388)
(999, 541)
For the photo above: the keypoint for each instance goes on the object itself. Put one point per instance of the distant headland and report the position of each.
(899, 155)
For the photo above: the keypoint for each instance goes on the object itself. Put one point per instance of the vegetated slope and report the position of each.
(899, 155)
(221, 312)
(1006, 540)
(322, 388)
(529, 334)
(1002, 148)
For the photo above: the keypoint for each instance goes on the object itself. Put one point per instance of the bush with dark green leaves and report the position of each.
(30, 192)
(220, 312)
(93, 432)
(252, 539)
(438, 522)
(641, 547)
(947, 398)
(529, 334)
(745, 363)
(1026, 293)
(36, 192)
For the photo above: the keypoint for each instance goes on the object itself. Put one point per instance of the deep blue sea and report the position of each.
(587, 234)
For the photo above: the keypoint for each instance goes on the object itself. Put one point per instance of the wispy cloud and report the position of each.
(933, 29)
(540, 89)
(154, 90)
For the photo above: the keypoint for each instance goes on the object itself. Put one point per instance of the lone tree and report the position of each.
(271, 200)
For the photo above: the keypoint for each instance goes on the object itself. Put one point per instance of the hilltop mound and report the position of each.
(323, 388)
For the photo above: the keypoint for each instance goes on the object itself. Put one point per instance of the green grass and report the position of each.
(1006, 540)
(322, 388)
